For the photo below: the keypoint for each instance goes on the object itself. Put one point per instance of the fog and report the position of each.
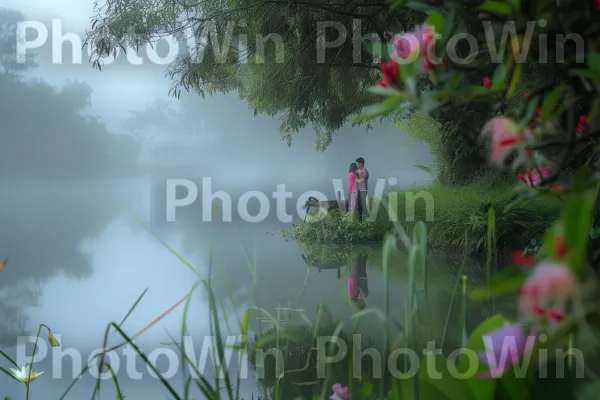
(81, 150)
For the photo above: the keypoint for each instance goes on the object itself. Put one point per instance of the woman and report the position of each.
(353, 182)
(358, 289)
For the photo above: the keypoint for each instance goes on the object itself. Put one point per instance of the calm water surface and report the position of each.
(78, 260)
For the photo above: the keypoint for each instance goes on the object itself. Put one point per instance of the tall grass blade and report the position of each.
(106, 334)
(143, 356)
(175, 253)
(490, 245)
(463, 313)
(389, 247)
(455, 291)
(184, 327)
(412, 306)
(203, 384)
(9, 359)
(245, 324)
(219, 343)
(120, 395)
(141, 296)
(7, 372)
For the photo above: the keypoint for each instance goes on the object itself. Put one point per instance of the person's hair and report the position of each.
(360, 160)
(353, 167)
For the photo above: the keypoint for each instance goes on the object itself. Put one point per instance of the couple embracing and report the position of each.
(358, 179)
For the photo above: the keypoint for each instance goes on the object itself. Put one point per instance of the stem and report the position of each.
(32, 356)
(463, 319)
(31, 363)
(570, 351)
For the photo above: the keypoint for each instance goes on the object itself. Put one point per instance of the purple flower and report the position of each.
(339, 392)
(504, 348)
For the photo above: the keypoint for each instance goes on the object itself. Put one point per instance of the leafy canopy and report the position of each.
(266, 51)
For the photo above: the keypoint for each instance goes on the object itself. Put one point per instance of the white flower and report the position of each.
(23, 374)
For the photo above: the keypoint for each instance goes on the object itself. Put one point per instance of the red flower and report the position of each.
(527, 95)
(538, 310)
(558, 188)
(582, 125)
(487, 82)
(390, 73)
(555, 315)
(560, 247)
(528, 153)
(532, 176)
(523, 260)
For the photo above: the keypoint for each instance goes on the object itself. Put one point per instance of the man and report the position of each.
(363, 187)
(363, 280)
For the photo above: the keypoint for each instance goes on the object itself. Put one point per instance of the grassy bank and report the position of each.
(451, 213)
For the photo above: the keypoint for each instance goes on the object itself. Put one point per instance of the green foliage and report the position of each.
(555, 128)
(463, 210)
(457, 160)
(298, 342)
(270, 53)
(337, 227)
(453, 211)
(327, 253)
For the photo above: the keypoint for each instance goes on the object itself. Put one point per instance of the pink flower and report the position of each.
(487, 82)
(582, 125)
(546, 292)
(418, 45)
(504, 348)
(504, 138)
(532, 177)
(339, 392)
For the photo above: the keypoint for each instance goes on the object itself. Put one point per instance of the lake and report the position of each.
(77, 260)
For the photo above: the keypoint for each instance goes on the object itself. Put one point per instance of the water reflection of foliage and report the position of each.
(340, 254)
(442, 268)
(298, 346)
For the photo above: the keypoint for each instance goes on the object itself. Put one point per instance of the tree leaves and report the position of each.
(499, 8)
(552, 100)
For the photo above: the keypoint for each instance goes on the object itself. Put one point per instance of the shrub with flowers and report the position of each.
(549, 144)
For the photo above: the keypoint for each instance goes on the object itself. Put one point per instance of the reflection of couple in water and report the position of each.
(358, 284)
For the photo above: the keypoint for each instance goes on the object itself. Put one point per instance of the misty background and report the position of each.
(81, 151)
